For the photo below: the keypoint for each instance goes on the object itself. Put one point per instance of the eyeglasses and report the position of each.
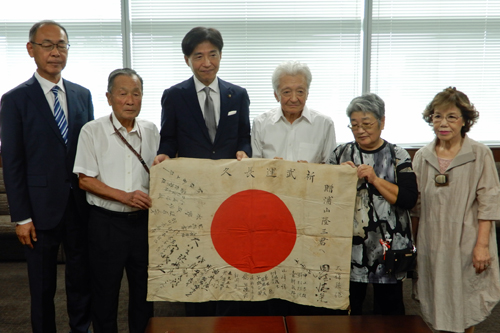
(451, 118)
(48, 46)
(364, 126)
(289, 93)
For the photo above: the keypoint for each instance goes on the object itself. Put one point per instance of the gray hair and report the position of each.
(369, 102)
(123, 71)
(292, 68)
(38, 25)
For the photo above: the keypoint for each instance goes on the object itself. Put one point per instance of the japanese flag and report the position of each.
(251, 230)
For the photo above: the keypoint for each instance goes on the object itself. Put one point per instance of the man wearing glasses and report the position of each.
(40, 123)
(292, 131)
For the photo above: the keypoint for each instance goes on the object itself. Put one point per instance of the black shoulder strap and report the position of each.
(393, 160)
(393, 153)
(342, 151)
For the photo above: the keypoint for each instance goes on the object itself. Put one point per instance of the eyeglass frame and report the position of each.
(363, 126)
(61, 49)
(285, 93)
(447, 118)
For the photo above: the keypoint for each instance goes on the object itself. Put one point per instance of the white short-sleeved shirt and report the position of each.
(103, 155)
(311, 137)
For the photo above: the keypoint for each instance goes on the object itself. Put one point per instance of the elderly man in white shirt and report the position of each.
(297, 133)
(112, 161)
(293, 131)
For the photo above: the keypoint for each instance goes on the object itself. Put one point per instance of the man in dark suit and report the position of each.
(45, 201)
(184, 131)
(205, 117)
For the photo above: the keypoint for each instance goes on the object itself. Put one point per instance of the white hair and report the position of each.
(292, 68)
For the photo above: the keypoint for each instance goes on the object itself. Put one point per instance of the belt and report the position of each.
(122, 215)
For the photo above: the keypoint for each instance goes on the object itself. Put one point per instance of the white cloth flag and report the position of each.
(251, 230)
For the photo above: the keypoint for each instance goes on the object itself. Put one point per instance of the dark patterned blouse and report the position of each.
(393, 164)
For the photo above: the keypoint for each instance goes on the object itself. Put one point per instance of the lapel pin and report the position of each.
(229, 95)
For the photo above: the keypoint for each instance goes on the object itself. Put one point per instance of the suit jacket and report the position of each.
(183, 129)
(37, 165)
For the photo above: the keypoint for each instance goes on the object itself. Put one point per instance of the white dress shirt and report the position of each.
(49, 95)
(311, 137)
(214, 93)
(103, 155)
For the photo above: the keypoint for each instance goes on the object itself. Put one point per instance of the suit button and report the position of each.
(213, 152)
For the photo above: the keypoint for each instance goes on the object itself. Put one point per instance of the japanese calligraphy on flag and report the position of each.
(251, 230)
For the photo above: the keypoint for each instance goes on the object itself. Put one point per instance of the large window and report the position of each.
(258, 35)
(94, 29)
(416, 49)
(422, 47)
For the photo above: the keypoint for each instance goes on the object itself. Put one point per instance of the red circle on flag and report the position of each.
(253, 231)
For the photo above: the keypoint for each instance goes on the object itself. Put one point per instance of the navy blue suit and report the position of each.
(185, 134)
(183, 130)
(40, 185)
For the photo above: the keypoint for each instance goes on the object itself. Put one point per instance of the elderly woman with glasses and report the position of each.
(387, 189)
(459, 282)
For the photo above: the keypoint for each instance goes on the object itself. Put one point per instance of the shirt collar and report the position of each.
(464, 155)
(47, 85)
(119, 126)
(214, 86)
(306, 114)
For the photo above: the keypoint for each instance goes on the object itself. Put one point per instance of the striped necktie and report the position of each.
(59, 115)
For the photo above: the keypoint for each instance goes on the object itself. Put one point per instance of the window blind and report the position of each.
(94, 36)
(421, 47)
(258, 35)
(417, 49)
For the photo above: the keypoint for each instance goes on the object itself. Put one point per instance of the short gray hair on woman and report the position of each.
(291, 68)
(369, 102)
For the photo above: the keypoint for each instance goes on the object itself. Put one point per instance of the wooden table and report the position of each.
(216, 325)
(356, 324)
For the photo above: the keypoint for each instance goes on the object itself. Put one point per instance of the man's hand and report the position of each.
(26, 233)
(239, 155)
(160, 158)
(137, 199)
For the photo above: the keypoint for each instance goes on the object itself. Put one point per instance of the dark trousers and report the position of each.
(202, 309)
(280, 307)
(226, 308)
(387, 298)
(273, 307)
(42, 273)
(119, 241)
